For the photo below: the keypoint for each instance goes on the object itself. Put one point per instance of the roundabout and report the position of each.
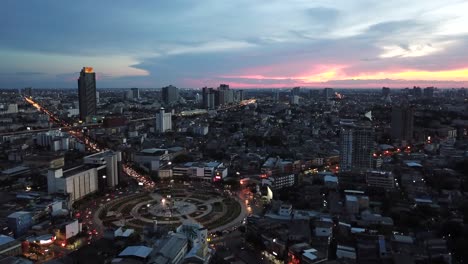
(172, 205)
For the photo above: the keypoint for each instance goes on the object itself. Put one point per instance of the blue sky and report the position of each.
(246, 43)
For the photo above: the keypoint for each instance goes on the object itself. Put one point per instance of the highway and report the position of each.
(143, 180)
(67, 127)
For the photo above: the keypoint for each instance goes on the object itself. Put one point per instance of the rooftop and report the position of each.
(15, 170)
(5, 239)
(76, 170)
(136, 251)
(172, 247)
(18, 214)
(153, 151)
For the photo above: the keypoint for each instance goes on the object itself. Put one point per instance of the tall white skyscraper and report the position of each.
(163, 121)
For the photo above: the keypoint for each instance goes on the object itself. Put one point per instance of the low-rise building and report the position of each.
(20, 222)
(204, 171)
(380, 179)
(277, 182)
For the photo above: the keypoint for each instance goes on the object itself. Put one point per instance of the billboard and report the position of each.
(72, 229)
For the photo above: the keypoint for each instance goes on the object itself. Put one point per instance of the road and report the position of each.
(145, 180)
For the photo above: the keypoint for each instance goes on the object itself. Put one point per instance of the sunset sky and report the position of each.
(245, 43)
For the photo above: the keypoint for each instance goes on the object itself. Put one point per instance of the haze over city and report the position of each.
(248, 43)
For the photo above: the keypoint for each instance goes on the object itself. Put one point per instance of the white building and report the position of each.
(278, 182)
(111, 160)
(150, 159)
(197, 236)
(201, 170)
(55, 140)
(76, 182)
(8, 109)
(163, 121)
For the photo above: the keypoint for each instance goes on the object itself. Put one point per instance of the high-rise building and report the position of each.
(328, 93)
(163, 121)
(87, 92)
(276, 96)
(109, 167)
(170, 94)
(417, 91)
(295, 91)
(240, 95)
(356, 147)
(385, 92)
(402, 123)
(135, 93)
(208, 98)
(429, 92)
(224, 95)
(223, 87)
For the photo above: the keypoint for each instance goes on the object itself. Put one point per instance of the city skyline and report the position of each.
(246, 44)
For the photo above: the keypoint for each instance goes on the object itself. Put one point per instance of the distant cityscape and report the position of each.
(226, 175)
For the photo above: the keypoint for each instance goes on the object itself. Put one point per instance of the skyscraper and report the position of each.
(328, 93)
(208, 98)
(417, 91)
(223, 87)
(170, 94)
(429, 92)
(385, 92)
(295, 91)
(163, 121)
(135, 93)
(87, 92)
(356, 147)
(402, 123)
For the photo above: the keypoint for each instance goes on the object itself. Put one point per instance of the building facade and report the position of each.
(87, 92)
(380, 179)
(402, 123)
(76, 182)
(135, 93)
(163, 121)
(356, 147)
(170, 94)
(113, 166)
